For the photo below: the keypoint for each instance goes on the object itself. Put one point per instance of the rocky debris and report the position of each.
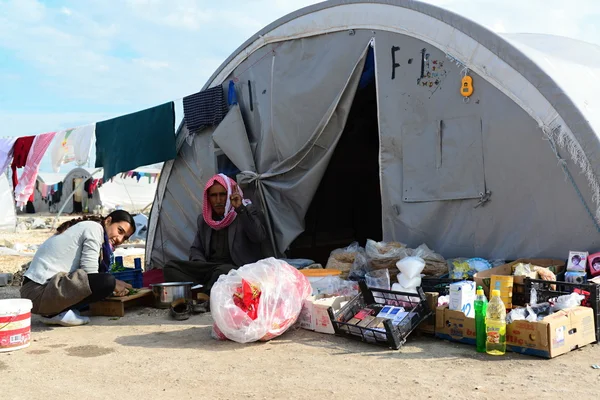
(38, 223)
(6, 243)
(22, 227)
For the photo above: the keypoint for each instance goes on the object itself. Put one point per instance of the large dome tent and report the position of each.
(351, 112)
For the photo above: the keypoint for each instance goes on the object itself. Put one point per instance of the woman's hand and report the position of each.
(121, 288)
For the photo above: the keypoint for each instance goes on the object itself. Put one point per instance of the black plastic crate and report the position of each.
(545, 293)
(439, 285)
(520, 295)
(395, 335)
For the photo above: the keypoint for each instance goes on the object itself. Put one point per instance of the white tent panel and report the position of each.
(8, 216)
(127, 193)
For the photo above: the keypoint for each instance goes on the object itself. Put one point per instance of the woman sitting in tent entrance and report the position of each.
(70, 269)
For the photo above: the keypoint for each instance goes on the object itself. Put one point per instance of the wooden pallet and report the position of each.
(115, 306)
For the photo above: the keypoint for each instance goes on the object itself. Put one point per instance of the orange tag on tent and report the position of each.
(467, 86)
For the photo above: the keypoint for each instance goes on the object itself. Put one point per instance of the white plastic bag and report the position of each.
(281, 290)
(379, 279)
(382, 255)
(350, 260)
(568, 301)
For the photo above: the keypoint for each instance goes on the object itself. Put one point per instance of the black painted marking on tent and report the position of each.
(250, 95)
(394, 63)
(423, 63)
(410, 60)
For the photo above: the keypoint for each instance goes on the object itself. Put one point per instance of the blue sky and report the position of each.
(65, 63)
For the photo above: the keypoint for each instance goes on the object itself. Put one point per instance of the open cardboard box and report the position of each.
(484, 278)
(314, 315)
(556, 334)
(428, 326)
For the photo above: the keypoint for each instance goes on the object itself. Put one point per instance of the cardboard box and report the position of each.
(314, 315)
(306, 319)
(556, 334)
(462, 296)
(428, 326)
(484, 278)
(454, 326)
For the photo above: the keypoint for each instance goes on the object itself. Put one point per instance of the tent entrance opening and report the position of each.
(347, 204)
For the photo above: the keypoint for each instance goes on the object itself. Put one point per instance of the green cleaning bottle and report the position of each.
(495, 324)
(481, 304)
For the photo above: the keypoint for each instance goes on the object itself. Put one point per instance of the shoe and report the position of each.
(202, 305)
(66, 318)
(180, 310)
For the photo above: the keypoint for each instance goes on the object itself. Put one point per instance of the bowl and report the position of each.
(166, 293)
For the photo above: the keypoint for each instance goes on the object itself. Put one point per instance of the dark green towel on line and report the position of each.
(134, 140)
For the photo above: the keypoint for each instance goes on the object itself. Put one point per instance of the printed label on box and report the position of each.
(559, 337)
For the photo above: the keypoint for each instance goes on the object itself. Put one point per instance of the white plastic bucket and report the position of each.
(15, 324)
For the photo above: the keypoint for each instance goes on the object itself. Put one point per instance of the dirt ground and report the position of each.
(147, 355)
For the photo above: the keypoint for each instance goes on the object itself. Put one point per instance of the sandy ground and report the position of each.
(147, 355)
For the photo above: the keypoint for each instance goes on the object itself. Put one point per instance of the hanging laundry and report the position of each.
(72, 145)
(206, 108)
(131, 141)
(94, 185)
(44, 190)
(24, 188)
(20, 154)
(6, 152)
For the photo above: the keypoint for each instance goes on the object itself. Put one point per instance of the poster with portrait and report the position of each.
(594, 264)
(577, 261)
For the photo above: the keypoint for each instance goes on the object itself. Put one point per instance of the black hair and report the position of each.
(596, 260)
(576, 256)
(115, 216)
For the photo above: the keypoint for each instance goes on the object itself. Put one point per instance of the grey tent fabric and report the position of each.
(297, 147)
(295, 81)
(443, 160)
(232, 138)
(530, 194)
(182, 200)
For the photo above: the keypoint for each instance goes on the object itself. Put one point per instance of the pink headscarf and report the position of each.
(230, 214)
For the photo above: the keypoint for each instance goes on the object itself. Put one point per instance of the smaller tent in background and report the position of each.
(129, 193)
(8, 215)
(47, 183)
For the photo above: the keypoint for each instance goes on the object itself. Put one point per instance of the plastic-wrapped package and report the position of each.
(382, 255)
(360, 267)
(519, 314)
(349, 259)
(568, 301)
(465, 268)
(258, 301)
(435, 264)
(378, 279)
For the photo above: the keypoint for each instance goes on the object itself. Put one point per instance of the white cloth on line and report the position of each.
(72, 145)
(6, 151)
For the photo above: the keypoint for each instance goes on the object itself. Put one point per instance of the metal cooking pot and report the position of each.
(166, 293)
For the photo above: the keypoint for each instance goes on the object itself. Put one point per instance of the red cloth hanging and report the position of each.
(20, 153)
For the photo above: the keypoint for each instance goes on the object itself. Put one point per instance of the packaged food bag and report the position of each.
(258, 301)
(349, 259)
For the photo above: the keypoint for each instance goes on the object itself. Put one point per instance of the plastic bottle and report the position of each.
(495, 324)
(480, 305)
